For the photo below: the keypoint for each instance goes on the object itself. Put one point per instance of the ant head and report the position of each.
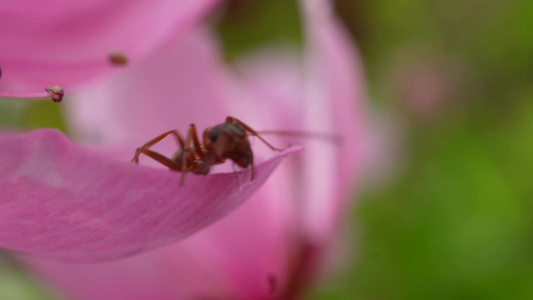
(229, 140)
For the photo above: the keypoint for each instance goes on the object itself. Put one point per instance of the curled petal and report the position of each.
(65, 43)
(62, 201)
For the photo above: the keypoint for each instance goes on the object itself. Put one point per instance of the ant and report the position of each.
(228, 140)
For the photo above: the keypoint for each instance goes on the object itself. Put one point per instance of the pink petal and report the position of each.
(233, 261)
(335, 95)
(65, 43)
(199, 267)
(181, 84)
(142, 276)
(321, 93)
(64, 202)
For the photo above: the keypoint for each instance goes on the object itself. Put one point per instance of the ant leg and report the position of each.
(253, 168)
(155, 141)
(196, 150)
(235, 172)
(161, 159)
(251, 131)
(192, 136)
(171, 164)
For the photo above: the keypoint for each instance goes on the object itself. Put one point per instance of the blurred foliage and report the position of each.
(245, 26)
(453, 221)
(18, 285)
(18, 115)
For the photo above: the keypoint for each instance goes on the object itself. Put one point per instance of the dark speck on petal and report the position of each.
(118, 59)
(56, 93)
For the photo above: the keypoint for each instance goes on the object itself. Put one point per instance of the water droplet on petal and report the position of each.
(56, 93)
(118, 59)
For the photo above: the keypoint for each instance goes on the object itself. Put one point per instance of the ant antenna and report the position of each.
(326, 137)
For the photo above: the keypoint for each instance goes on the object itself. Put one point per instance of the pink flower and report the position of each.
(66, 202)
(278, 242)
(68, 43)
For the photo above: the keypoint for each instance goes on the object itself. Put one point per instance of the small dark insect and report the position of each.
(118, 59)
(228, 140)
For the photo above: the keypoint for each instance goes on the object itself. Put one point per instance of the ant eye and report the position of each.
(213, 135)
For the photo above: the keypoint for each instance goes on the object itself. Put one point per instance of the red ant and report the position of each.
(220, 142)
